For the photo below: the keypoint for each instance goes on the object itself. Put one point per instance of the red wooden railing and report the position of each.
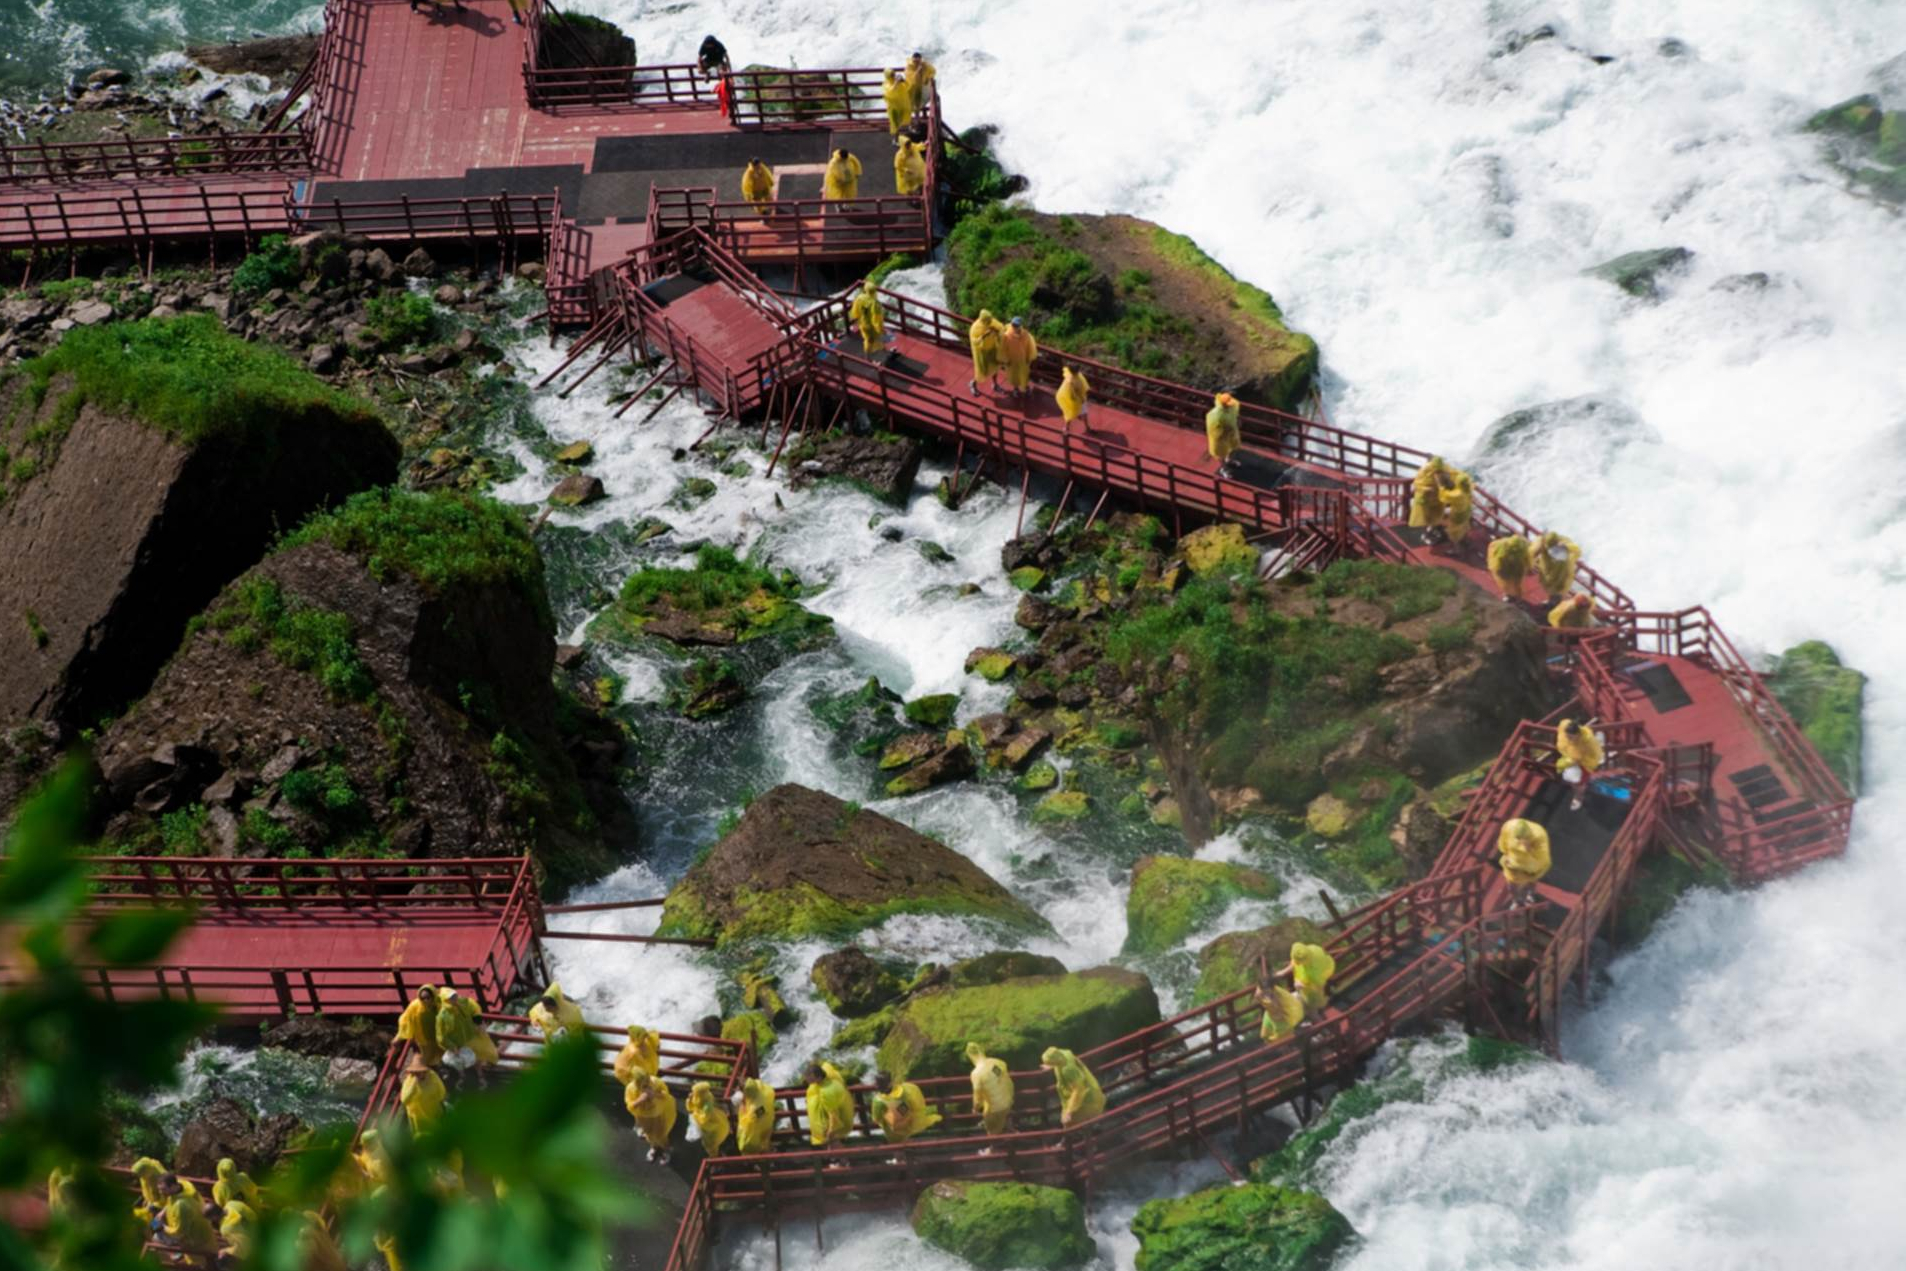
(116, 213)
(213, 154)
(404, 219)
(283, 884)
(793, 230)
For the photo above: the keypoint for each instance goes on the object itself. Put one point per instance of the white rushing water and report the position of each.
(1736, 1093)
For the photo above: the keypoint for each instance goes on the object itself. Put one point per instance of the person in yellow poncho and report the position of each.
(320, 1250)
(1509, 561)
(710, 1117)
(830, 1108)
(1426, 491)
(372, 1161)
(984, 337)
(1080, 1096)
(418, 1025)
(1283, 1012)
(422, 1095)
(865, 314)
(1523, 847)
(842, 180)
(59, 1191)
(920, 75)
(1311, 968)
(902, 1112)
(555, 1014)
(1072, 397)
(460, 1037)
(185, 1226)
(992, 1090)
(234, 1184)
(757, 186)
(1578, 754)
(1017, 349)
(386, 1244)
(147, 1172)
(1221, 431)
(756, 1116)
(641, 1053)
(1459, 504)
(235, 1228)
(653, 1108)
(1577, 613)
(909, 168)
(899, 99)
(1555, 561)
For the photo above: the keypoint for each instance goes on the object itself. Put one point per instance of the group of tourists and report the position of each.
(906, 91)
(200, 1230)
(1442, 505)
(1310, 968)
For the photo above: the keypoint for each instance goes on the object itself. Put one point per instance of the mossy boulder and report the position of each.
(991, 665)
(853, 984)
(1855, 117)
(722, 600)
(1867, 142)
(576, 452)
(1027, 578)
(866, 719)
(803, 863)
(1016, 1019)
(1825, 699)
(1256, 1227)
(1126, 291)
(1235, 960)
(1642, 273)
(1002, 964)
(933, 711)
(1061, 806)
(1172, 897)
(1217, 549)
(1002, 1226)
(1329, 817)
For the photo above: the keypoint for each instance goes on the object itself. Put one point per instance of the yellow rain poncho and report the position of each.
(236, 1226)
(186, 1223)
(234, 1184)
(1283, 1012)
(422, 1095)
(386, 1244)
(1071, 395)
(641, 1053)
(1577, 613)
(1509, 560)
(59, 1191)
(371, 1158)
(457, 1028)
(709, 1116)
(1080, 1098)
(992, 1090)
(320, 1250)
(147, 1172)
(866, 316)
(1577, 746)
(757, 185)
(902, 1112)
(653, 1108)
(843, 177)
(418, 1025)
(920, 75)
(1017, 349)
(1426, 503)
(984, 336)
(1524, 849)
(559, 1015)
(830, 1109)
(1311, 969)
(1557, 571)
(899, 99)
(1221, 428)
(910, 168)
(1459, 504)
(757, 1115)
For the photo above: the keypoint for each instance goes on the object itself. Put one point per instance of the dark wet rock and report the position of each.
(577, 490)
(1643, 274)
(225, 1128)
(853, 984)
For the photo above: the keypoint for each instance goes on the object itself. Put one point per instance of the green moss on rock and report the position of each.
(1016, 1019)
(997, 1226)
(1256, 1227)
(722, 600)
(1061, 806)
(933, 711)
(1172, 897)
(1825, 698)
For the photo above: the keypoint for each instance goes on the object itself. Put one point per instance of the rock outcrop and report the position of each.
(1825, 698)
(1643, 274)
(148, 465)
(1252, 1227)
(1004, 1226)
(1016, 1019)
(225, 1127)
(803, 863)
(1126, 291)
(1171, 898)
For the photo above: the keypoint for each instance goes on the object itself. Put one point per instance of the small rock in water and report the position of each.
(576, 491)
(419, 264)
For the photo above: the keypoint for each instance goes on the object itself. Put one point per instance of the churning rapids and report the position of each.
(1422, 202)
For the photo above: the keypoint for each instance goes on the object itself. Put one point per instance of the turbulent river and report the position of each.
(1422, 203)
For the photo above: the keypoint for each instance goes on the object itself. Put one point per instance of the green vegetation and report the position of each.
(445, 540)
(1002, 1226)
(1015, 1020)
(36, 630)
(722, 592)
(256, 613)
(893, 264)
(1172, 897)
(973, 177)
(274, 264)
(1254, 1227)
(1403, 591)
(183, 831)
(1825, 698)
(400, 319)
(185, 376)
